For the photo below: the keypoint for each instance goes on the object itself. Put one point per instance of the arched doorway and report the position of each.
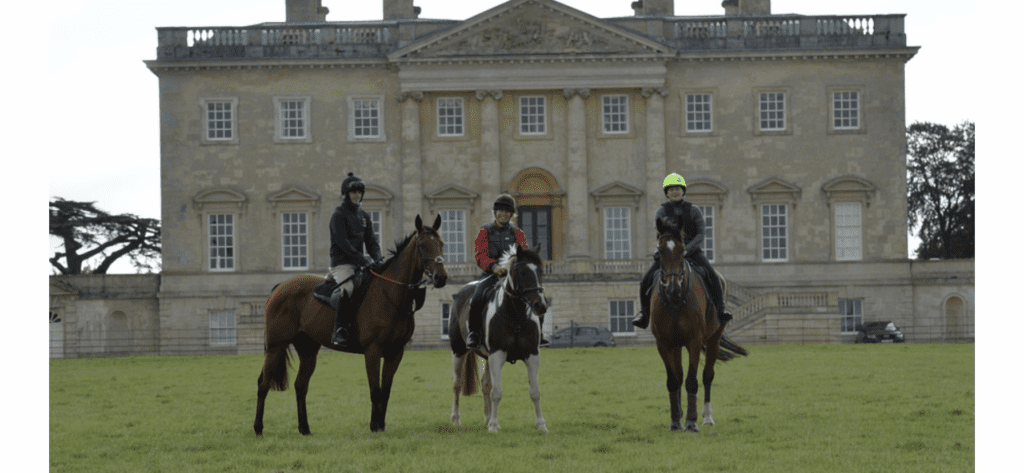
(540, 210)
(956, 318)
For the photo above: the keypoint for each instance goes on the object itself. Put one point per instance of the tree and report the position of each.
(87, 232)
(940, 189)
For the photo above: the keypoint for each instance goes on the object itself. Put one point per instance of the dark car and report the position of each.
(582, 336)
(879, 332)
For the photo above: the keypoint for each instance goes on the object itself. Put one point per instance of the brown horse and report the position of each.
(384, 324)
(683, 316)
(511, 332)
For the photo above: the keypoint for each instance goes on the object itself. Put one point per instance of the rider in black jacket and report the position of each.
(693, 228)
(351, 229)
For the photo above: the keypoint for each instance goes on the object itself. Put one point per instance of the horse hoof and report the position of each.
(692, 427)
(709, 422)
(675, 426)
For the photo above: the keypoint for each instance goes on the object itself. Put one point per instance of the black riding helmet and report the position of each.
(352, 183)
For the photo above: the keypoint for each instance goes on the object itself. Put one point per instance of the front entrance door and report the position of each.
(535, 221)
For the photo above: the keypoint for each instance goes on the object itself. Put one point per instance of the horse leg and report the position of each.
(372, 359)
(495, 361)
(261, 399)
(390, 368)
(307, 350)
(274, 375)
(672, 358)
(486, 386)
(709, 372)
(691, 386)
(532, 368)
(457, 363)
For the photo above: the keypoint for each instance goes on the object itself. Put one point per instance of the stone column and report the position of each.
(490, 151)
(412, 161)
(656, 164)
(578, 241)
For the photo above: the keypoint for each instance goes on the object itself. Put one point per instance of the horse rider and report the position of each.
(692, 220)
(351, 229)
(493, 240)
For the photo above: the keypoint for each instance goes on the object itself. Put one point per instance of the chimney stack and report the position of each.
(747, 7)
(654, 7)
(396, 9)
(304, 10)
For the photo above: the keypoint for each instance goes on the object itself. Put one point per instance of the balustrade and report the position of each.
(377, 39)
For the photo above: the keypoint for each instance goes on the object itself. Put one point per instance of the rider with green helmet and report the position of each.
(692, 220)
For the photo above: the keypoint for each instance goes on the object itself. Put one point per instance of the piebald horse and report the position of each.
(512, 329)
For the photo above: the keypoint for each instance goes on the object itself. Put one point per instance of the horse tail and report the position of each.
(728, 349)
(275, 367)
(469, 376)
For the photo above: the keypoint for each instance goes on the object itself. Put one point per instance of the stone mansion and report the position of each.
(789, 130)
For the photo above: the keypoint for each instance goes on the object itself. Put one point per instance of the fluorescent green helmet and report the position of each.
(673, 180)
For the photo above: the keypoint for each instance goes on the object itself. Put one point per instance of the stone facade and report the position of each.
(431, 115)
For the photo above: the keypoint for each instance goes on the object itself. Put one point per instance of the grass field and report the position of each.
(816, 408)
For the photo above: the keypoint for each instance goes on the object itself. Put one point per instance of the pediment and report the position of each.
(377, 193)
(293, 195)
(531, 28)
(451, 196)
(617, 189)
(703, 191)
(775, 190)
(851, 188)
(616, 194)
(451, 191)
(219, 196)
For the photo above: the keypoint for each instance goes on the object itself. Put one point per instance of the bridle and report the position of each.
(682, 276)
(428, 274)
(523, 292)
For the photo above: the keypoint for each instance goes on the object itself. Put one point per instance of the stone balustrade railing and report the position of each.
(340, 40)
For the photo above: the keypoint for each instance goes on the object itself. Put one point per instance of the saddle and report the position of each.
(329, 291)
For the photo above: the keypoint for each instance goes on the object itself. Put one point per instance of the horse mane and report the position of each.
(509, 257)
(400, 246)
(397, 250)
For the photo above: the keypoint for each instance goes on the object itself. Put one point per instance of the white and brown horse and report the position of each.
(511, 332)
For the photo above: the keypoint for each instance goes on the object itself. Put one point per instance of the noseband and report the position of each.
(428, 274)
(522, 293)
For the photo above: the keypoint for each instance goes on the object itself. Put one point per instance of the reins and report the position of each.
(427, 278)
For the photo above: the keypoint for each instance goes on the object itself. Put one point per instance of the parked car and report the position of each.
(879, 332)
(582, 336)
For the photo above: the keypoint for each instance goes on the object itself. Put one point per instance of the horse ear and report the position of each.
(437, 222)
(419, 224)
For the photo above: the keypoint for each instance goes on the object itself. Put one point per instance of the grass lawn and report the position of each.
(815, 408)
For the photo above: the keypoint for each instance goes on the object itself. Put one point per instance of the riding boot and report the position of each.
(643, 319)
(342, 323)
(473, 337)
(723, 314)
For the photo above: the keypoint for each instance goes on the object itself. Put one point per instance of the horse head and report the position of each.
(431, 250)
(672, 253)
(526, 274)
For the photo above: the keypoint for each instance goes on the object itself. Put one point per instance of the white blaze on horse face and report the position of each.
(671, 245)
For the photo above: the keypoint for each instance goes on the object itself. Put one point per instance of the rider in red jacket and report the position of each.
(493, 240)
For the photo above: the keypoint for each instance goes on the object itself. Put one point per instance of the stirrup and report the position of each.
(642, 320)
(472, 340)
(340, 336)
(544, 342)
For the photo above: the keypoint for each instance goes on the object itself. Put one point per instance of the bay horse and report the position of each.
(511, 332)
(682, 315)
(383, 326)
